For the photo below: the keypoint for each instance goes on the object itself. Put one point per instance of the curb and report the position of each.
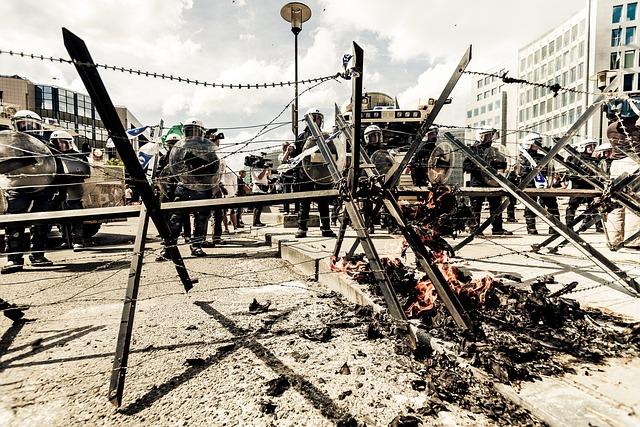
(315, 265)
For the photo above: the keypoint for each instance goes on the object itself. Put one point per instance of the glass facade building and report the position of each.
(71, 110)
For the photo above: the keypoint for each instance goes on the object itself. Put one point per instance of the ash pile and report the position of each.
(520, 333)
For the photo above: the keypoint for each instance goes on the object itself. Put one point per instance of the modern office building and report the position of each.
(602, 36)
(58, 107)
(492, 104)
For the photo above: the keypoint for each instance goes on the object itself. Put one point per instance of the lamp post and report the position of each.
(296, 13)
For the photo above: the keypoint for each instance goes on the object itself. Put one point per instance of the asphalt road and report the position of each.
(200, 358)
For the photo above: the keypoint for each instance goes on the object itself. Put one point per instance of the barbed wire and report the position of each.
(170, 77)
(555, 88)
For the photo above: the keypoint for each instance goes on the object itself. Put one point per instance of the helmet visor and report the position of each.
(27, 125)
(193, 131)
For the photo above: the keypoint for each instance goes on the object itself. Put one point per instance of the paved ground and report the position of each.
(197, 359)
(54, 370)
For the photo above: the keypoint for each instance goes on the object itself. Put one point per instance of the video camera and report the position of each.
(259, 162)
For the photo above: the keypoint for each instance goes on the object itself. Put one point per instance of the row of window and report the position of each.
(487, 122)
(558, 121)
(564, 60)
(565, 79)
(629, 36)
(553, 46)
(628, 61)
(563, 100)
(488, 93)
(616, 16)
(64, 101)
(486, 80)
(483, 109)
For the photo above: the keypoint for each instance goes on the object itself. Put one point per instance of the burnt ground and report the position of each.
(204, 358)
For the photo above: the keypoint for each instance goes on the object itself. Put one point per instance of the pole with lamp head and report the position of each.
(296, 13)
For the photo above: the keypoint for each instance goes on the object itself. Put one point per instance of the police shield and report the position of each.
(498, 160)
(26, 163)
(195, 164)
(314, 165)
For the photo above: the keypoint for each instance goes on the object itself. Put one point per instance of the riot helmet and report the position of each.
(485, 135)
(373, 135)
(531, 141)
(586, 146)
(27, 121)
(432, 134)
(62, 141)
(193, 128)
(317, 115)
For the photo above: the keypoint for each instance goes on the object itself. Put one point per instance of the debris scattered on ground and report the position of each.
(255, 307)
(196, 361)
(406, 421)
(277, 386)
(345, 370)
(322, 334)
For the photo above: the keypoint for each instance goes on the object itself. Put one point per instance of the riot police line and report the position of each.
(192, 170)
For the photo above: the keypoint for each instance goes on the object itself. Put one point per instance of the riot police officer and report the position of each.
(303, 183)
(529, 157)
(418, 163)
(23, 200)
(484, 139)
(72, 168)
(193, 130)
(586, 149)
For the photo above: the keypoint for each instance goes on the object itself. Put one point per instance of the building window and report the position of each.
(615, 37)
(617, 14)
(629, 35)
(535, 110)
(563, 120)
(490, 106)
(497, 104)
(543, 52)
(521, 115)
(494, 91)
(483, 109)
(475, 111)
(536, 56)
(549, 105)
(479, 83)
(486, 80)
(614, 64)
(581, 27)
(565, 77)
(631, 11)
(574, 75)
(523, 65)
(566, 37)
(552, 47)
(542, 106)
(479, 97)
(579, 94)
(486, 94)
(564, 99)
(574, 32)
(629, 58)
(572, 97)
(469, 114)
(559, 43)
(627, 85)
(571, 115)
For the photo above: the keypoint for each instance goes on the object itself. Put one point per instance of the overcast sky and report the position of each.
(411, 48)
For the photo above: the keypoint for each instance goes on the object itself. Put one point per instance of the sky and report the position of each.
(411, 48)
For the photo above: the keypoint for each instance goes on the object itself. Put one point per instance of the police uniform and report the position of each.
(550, 203)
(477, 180)
(303, 183)
(580, 183)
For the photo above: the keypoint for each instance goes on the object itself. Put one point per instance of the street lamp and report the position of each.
(296, 13)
